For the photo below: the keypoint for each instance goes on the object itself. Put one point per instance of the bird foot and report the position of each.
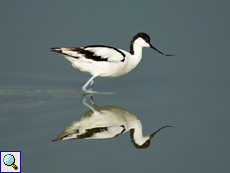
(89, 91)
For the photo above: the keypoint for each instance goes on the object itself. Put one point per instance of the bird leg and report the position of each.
(84, 98)
(91, 85)
(89, 82)
(92, 101)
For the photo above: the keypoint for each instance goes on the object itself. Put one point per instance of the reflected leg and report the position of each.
(84, 98)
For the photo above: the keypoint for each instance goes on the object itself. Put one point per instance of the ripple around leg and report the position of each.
(85, 91)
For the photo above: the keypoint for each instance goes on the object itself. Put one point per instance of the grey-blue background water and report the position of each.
(40, 96)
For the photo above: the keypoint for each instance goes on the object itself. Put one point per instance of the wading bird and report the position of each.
(106, 61)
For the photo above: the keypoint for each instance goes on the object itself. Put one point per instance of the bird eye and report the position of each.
(147, 39)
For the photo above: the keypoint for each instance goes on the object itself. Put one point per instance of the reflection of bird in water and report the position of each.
(107, 122)
(106, 61)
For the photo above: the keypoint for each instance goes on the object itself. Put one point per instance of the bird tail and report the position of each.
(56, 49)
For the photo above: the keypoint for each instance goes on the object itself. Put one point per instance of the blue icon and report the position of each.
(9, 160)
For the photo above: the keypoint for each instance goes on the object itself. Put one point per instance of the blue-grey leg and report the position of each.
(91, 85)
(84, 98)
(89, 82)
(92, 101)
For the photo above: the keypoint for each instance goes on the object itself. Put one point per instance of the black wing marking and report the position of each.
(94, 52)
(91, 132)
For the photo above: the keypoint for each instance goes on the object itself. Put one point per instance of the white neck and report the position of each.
(138, 136)
(137, 48)
(136, 55)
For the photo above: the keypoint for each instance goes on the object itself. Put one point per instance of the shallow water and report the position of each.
(40, 91)
(33, 118)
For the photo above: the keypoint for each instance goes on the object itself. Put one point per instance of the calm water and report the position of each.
(33, 118)
(40, 96)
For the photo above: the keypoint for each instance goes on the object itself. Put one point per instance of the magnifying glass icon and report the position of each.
(9, 160)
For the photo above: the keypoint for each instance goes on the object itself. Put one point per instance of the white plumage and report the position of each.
(106, 61)
(107, 122)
